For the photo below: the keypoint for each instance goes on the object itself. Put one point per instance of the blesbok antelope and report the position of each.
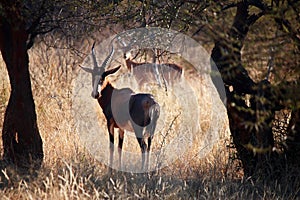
(143, 111)
(144, 72)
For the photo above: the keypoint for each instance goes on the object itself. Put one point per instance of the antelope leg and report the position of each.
(121, 139)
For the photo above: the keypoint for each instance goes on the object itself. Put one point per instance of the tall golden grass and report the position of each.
(69, 171)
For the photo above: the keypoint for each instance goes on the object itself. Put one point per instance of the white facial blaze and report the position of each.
(98, 71)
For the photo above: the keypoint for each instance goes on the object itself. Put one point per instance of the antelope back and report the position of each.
(120, 107)
(172, 73)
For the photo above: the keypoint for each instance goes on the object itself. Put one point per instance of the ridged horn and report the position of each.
(98, 71)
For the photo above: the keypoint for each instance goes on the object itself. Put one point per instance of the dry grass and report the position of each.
(69, 170)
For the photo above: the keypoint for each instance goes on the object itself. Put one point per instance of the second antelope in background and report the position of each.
(125, 110)
(145, 72)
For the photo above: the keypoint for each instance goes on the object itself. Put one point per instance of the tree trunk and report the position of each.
(293, 139)
(250, 126)
(21, 138)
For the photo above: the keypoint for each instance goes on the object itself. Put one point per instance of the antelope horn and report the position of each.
(94, 56)
(108, 59)
(98, 71)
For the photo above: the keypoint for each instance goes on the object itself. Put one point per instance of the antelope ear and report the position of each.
(111, 71)
(86, 69)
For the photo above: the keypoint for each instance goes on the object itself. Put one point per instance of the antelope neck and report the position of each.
(105, 95)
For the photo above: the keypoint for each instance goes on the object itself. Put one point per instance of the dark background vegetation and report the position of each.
(255, 45)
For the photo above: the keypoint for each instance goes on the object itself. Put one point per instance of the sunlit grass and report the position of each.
(69, 171)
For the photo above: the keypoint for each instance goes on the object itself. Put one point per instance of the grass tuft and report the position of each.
(69, 171)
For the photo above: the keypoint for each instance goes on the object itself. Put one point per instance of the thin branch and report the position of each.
(259, 4)
(226, 7)
(253, 18)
